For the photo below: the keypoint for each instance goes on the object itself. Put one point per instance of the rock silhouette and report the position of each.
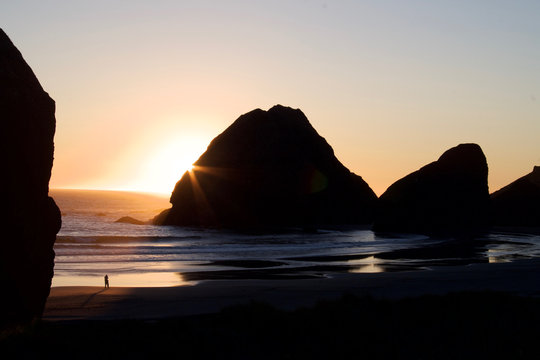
(31, 219)
(269, 169)
(518, 204)
(130, 220)
(448, 196)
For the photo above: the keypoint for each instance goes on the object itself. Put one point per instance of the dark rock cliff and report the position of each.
(518, 204)
(447, 196)
(31, 219)
(269, 169)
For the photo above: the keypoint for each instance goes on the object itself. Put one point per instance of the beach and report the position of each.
(450, 312)
(338, 293)
(211, 296)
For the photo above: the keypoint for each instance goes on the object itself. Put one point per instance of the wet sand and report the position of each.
(210, 296)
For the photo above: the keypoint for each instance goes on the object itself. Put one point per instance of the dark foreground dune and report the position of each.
(475, 311)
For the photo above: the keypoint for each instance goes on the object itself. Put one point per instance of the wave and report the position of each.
(108, 239)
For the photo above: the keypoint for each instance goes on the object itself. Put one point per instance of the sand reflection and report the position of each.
(150, 279)
(368, 265)
(496, 256)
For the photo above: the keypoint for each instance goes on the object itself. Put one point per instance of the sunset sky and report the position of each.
(142, 87)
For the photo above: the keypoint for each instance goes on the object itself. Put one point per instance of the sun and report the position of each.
(164, 166)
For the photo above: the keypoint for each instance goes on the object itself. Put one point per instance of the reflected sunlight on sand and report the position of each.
(368, 265)
(151, 279)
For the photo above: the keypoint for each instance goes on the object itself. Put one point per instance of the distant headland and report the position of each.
(518, 204)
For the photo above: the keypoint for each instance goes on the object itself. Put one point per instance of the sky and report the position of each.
(142, 87)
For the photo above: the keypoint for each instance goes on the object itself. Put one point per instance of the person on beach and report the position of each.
(106, 281)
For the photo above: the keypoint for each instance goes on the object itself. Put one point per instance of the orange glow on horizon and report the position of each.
(166, 165)
(156, 170)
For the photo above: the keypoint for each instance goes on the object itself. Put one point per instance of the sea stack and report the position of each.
(518, 204)
(269, 169)
(31, 218)
(448, 196)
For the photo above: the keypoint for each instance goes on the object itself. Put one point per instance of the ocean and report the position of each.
(91, 244)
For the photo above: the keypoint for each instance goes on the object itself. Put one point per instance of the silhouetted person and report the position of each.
(106, 281)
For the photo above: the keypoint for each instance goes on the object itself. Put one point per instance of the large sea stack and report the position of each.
(448, 196)
(269, 169)
(518, 204)
(30, 217)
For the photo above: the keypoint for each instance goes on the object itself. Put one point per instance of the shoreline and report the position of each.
(211, 296)
(434, 253)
